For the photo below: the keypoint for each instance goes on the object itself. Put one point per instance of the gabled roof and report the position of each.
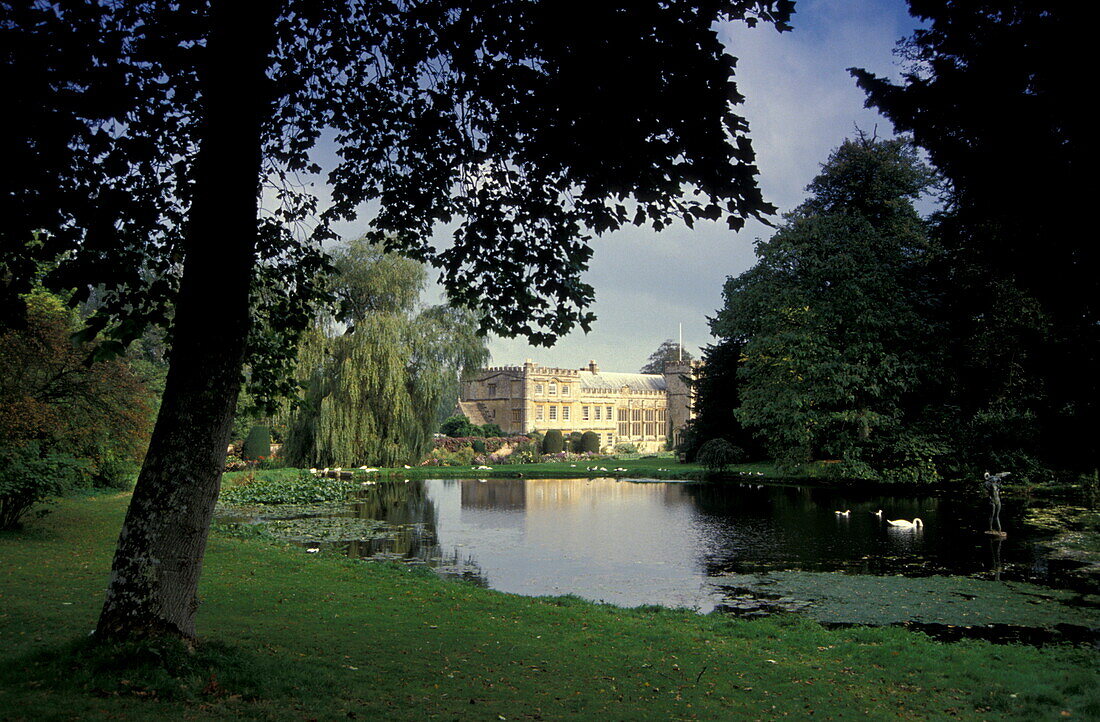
(612, 381)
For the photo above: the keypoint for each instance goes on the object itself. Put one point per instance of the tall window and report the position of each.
(584, 413)
(553, 413)
(598, 410)
(492, 390)
(610, 437)
(516, 416)
(538, 413)
(609, 413)
(565, 389)
(553, 389)
(565, 413)
(538, 388)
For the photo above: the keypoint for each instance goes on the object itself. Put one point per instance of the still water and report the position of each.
(671, 543)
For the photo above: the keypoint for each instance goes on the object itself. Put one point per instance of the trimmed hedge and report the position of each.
(553, 442)
(257, 445)
(492, 443)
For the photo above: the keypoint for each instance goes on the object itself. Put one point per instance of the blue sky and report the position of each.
(801, 103)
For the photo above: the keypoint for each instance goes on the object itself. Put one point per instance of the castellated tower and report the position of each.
(678, 376)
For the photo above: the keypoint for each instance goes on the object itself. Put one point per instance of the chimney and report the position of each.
(593, 367)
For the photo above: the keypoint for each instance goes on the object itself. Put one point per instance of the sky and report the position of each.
(800, 103)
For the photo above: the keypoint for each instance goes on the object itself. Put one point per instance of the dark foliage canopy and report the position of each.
(527, 128)
(993, 97)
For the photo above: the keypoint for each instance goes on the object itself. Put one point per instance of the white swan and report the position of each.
(904, 524)
(878, 513)
(843, 513)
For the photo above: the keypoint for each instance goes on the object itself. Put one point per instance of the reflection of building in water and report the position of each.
(494, 494)
(643, 409)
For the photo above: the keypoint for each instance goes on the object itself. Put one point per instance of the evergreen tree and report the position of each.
(376, 371)
(989, 94)
(832, 326)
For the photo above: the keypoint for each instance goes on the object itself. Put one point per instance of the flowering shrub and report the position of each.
(570, 456)
(492, 444)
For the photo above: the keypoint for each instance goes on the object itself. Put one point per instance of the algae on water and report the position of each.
(862, 599)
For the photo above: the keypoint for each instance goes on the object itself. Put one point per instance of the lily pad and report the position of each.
(332, 529)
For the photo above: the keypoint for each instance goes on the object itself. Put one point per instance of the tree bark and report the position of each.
(154, 578)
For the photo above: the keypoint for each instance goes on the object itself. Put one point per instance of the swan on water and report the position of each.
(905, 524)
(843, 513)
(878, 513)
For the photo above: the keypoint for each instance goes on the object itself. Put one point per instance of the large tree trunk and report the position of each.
(155, 574)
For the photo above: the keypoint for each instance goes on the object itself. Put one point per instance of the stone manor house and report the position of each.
(647, 410)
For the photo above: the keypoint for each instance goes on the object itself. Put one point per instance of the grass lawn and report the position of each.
(320, 637)
(649, 468)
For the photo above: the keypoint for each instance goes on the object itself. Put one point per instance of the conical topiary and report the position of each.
(258, 444)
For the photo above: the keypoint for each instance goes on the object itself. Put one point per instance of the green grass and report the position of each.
(321, 637)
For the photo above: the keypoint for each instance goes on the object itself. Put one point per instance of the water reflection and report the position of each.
(663, 543)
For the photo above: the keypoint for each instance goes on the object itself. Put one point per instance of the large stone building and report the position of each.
(647, 410)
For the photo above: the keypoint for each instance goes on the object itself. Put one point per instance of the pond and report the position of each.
(747, 549)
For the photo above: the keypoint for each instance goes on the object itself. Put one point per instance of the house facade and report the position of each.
(647, 410)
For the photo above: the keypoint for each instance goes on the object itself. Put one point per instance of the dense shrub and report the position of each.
(29, 477)
(113, 472)
(492, 444)
(626, 448)
(573, 442)
(553, 442)
(258, 444)
(274, 487)
(590, 442)
(491, 430)
(478, 445)
(459, 426)
(718, 455)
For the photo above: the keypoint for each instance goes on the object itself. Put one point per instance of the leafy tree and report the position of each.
(51, 396)
(64, 422)
(144, 130)
(372, 389)
(590, 442)
(988, 96)
(717, 393)
(829, 318)
(669, 350)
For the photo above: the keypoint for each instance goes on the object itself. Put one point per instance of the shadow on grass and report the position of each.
(165, 670)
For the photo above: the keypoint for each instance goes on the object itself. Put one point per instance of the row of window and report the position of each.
(599, 413)
(638, 428)
(552, 389)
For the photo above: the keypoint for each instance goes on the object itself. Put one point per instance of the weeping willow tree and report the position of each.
(377, 370)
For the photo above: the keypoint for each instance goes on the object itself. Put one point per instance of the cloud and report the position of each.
(800, 103)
